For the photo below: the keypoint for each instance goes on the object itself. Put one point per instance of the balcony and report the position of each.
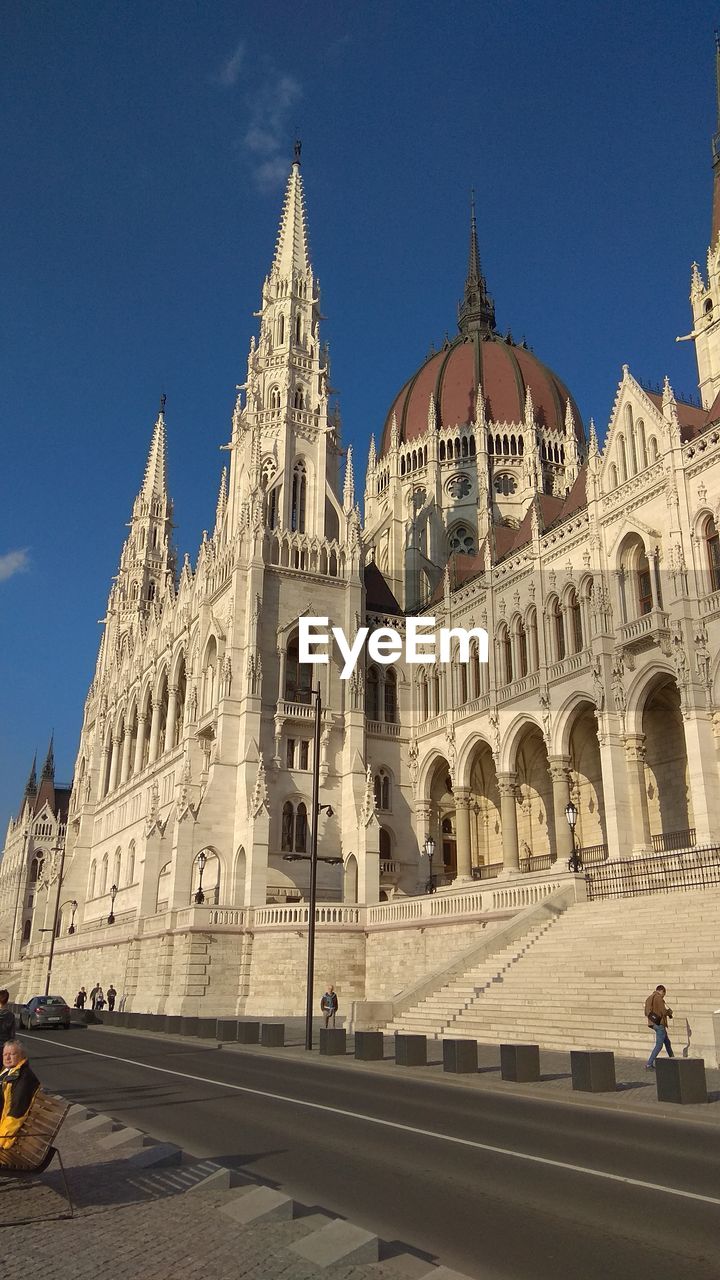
(668, 841)
(382, 729)
(642, 633)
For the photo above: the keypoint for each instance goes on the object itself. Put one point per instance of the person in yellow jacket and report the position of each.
(19, 1084)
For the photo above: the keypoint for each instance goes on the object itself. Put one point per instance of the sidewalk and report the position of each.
(177, 1221)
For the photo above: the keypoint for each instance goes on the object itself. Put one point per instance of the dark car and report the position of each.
(45, 1011)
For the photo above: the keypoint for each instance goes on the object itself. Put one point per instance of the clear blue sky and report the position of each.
(145, 148)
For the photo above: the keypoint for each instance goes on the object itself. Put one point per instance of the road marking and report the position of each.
(404, 1128)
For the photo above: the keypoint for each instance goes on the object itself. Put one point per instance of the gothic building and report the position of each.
(595, 571)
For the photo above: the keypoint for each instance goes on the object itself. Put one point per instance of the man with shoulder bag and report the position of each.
(657, 1014)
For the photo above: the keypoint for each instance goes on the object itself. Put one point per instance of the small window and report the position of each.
(304, 755)
(291, 753)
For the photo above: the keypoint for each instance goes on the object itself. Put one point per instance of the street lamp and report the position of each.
(113, 896)
(429, 851)
(575, 861)
(73, 908)
(202, 862)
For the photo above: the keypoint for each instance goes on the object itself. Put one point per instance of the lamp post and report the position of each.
(202, 863)
(429, 852)
(113, 896)
(73, 908)
(574, 861)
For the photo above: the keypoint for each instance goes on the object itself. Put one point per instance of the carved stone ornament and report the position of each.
(260, 798)
(367, 809)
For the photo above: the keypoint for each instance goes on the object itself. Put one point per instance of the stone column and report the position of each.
(635, 758)
(462, 833)
(617, 804)
(507, 783)
(125, 763)
(282, 656)
(560, 777)
(103, 774)
(140, 742)
(154, 731)
(702, 774)
(423, 828)
(171, 718)
(114, 762)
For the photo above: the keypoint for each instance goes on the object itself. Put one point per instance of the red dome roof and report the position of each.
(504, 371)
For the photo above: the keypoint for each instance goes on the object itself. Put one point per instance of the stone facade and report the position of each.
(595, 572)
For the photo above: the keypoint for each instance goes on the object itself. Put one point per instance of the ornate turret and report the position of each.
(147, 562)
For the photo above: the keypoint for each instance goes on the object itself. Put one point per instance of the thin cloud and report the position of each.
(267, 137)
(229, 73)
(13, 562)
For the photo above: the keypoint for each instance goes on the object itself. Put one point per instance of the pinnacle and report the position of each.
(476, 312)
(291, 249)
(48, 769)
(155, 479)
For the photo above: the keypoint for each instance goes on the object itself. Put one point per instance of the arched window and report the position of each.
(385, 845)
(33, 871)
(653, 449)
(103, 875)
(299, 498)
(274, 397)
(390, 700)
(505, 653)
(298, 328)
(210, 682)
(557, 629)
(130, 872)
(622, 457)
(382, 790)
(372, 695)
(294, 828)
(298, 675)
(151, 592)
(91, 879)
(576, 630)
(26, 932)
(712, 543)
(613, 476)
(462, 539)
(280, 329)
(299, 399)
(117, 860)
(644, 585)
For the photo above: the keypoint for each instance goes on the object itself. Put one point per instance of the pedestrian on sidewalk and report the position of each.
(80, 998)
(19, 1084)
(657, 1014)
(111, 997)
(96, 991)
(7, 1019)
(99, 999)
(329, 1005)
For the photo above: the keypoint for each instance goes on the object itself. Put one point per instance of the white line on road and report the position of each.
(404, 1128)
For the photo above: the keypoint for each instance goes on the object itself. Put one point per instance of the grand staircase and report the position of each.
(580, 980)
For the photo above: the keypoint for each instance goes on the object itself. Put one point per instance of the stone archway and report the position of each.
(350, 879)
(436, 817)
(669, 802)
(483, 801)
(586, 783)
(536, 821)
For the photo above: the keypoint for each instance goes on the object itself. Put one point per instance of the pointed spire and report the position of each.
(291, 249)
(31, 784)
(569, 420)
(222, 497)
(593, 448)
(349, 486)
(529, 408)
(372, 454)
(48, 769)
(155, 479)
(394, 435)
(697, 284)
(432, 413)
(476, 313)
(480, 418)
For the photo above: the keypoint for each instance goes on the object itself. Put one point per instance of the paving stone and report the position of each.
(162, 1154)
(121, 1137)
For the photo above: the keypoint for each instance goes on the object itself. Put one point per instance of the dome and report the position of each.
(505, 372)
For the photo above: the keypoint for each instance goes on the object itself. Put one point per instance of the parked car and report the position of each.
(45, 1011)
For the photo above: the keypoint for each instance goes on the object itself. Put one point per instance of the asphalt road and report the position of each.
(477, 1180)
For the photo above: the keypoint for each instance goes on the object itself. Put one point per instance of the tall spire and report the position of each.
(48, 769)
(349, 486)
(476, 312)
(155, 479)
(291, 249)
(31, 784)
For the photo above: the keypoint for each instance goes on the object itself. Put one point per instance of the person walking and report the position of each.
(80, 998)
(657, 1014)
(7, 1019)
(94, 995)
(19, 1084)
(99, 1001)
(111, 997)
(329, 1006)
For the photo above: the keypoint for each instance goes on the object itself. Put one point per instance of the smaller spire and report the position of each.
(593, 447)
(31, 784)
(297, 150)
(529, 408)
(569, 420)
(349, 486)
(222, 497)
(48, 769)
(372, 454)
